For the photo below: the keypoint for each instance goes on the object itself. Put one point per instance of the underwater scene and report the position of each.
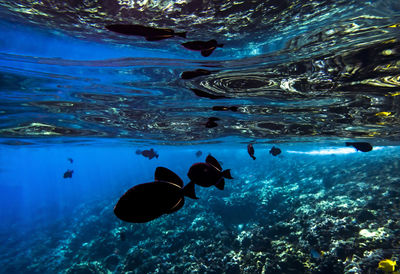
(197, 136)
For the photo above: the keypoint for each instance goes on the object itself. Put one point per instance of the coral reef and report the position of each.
(280, 219)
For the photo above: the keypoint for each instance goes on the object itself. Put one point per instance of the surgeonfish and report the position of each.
(145, 202)
(209, 173)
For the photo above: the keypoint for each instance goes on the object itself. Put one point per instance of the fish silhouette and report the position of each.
(211, 122)
(68, 174)
(150, 33)
(360, 146)
(250, 150)
(209, 173)
(194, 73)
(205, 47)
(148, 153)
(199, 153)
(275, 151)
(145, 202)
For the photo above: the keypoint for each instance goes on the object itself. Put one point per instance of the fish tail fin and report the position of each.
(227, 174)
(138, 151)
(157, 156)
(220, 184)
(181, 34)
(253, 157)
(220, 45)
(188, 190)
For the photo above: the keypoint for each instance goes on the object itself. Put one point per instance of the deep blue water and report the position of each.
(306, 77)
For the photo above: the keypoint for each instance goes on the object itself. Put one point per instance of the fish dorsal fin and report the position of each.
(164, 174)
(212, 161)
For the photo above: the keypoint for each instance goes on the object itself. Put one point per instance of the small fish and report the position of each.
(316, 254)
(201, 93)
(145, 202)
(68, 174)
(150, 33)
(199, 153)
(71, 160)
(205, 47)
(209, 173)
(387, 265)
(275, 151)
(211, 122)
(148, 153)
(222, 108)
(360, 146)
(194, 73)
(250, 150)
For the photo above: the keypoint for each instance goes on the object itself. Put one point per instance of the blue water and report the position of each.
(306, 77)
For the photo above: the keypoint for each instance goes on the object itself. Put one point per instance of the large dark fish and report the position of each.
(194, 73)
(148, 153)
(150, 33)
(205, 47)
(201, 93)
(360, 146)
(275, 151)
(68, 174)
(250, 150)
(209, 173)
(145, 202)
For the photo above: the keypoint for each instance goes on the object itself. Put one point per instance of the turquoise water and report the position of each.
(305, 77)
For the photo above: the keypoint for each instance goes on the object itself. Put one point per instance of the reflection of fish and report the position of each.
(201, 93)
(275, 151)
(148, 153)
(199, 153)
(360, 146)
(250, 150)
(205, 47)
(71, 160)
(211, 122)
(222, 108)
(68, 173)
(145, 202)
(150, 33)
(209, 173)
(194, 73)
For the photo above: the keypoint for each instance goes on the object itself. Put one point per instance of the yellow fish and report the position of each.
(383, 113)
(387, 265)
